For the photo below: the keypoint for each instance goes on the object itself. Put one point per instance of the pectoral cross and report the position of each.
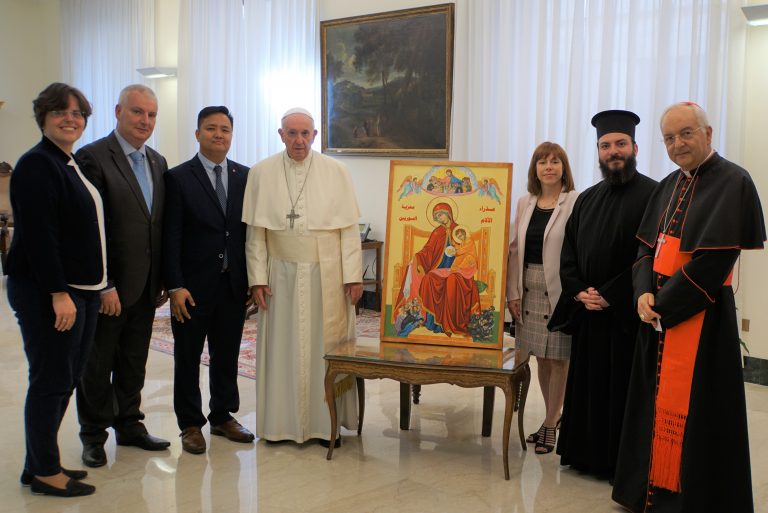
(659, 242)
(292, 217)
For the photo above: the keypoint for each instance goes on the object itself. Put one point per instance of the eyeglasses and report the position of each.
(684, 135)
(77, 114)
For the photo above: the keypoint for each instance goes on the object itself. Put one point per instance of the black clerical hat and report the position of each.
(610, 121)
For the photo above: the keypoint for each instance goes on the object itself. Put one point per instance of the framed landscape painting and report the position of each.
(387, 82)
(446, 253)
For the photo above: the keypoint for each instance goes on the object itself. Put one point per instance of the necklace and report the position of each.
(293, 215)
(547, 204)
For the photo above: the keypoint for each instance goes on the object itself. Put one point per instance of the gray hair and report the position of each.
(135, 88)
(701, 116)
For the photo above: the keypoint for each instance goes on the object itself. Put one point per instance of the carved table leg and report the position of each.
(405, 406)
(416, 393)
(360, 404)
(489, 394)
(525, 381)
(509, 403)
(330, 377)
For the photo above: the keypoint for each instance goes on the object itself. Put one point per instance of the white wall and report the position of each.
(29, 61)
(33, 61)
(753, 278)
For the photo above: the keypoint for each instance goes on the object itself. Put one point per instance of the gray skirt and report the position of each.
(532, 335)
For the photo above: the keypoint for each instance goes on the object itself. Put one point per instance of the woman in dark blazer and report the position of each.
(56, 267)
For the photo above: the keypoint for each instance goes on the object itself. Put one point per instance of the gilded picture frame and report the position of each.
(446, 253)
(387, 83)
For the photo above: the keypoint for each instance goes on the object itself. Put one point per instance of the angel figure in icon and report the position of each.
(411, 185)
(490, 187)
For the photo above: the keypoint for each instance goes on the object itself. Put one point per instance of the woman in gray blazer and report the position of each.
(533, 279)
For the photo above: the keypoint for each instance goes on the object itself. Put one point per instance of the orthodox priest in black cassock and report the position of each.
(684, 446)
(597, 256)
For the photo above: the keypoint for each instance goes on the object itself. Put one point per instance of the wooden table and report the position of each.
(414, 364)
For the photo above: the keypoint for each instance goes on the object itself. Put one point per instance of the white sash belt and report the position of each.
(323, 247)
(292, 248)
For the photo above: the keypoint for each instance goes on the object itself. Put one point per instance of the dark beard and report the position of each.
(619, 176)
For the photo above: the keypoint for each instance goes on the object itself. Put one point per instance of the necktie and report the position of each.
(222, 195)
(220, 192)
(141, 176)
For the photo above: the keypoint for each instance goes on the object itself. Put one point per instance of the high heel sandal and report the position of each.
(534, 437)
(546, 442)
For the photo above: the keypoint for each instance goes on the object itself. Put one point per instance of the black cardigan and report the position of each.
(56, 237)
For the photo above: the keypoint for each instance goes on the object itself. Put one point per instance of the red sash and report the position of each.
(675, 377)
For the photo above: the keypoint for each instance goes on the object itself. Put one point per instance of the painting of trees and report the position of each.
(387, 82)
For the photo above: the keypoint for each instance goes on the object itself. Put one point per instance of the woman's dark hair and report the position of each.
(56, 97)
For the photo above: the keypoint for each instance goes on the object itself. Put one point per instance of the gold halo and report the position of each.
(441, 199)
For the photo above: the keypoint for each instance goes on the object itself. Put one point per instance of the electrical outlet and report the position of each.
(745, 325)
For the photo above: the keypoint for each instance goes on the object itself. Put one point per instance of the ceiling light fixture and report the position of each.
(157, 72)
(756, 14)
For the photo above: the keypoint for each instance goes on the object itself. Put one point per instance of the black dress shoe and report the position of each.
(94, 455)
(327, 443)
(144, 441)
(26, 477)
(73, 489)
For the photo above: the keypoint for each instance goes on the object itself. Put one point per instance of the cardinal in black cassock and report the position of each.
(596, 304)
(684, 446)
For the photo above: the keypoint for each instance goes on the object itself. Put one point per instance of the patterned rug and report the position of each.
(162, 338)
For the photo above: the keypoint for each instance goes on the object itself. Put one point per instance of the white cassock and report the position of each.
(306, 268)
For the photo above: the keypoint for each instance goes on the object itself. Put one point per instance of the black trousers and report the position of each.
(109, 394)
(221, 321)
(56, 362)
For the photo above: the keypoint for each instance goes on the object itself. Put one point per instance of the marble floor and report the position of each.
(442, 464)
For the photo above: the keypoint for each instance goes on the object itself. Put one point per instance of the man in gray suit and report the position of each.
(129, 176)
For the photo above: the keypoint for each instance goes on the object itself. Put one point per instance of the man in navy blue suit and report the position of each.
(205, 274)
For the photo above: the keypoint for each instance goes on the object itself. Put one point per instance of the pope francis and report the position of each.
(304, 264)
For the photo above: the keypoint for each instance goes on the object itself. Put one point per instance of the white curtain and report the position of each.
(103, 42)
(526, 71)
(534, 70)
(257, 57)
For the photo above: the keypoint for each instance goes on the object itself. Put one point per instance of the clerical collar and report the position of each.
(300, 163)
(688, 173)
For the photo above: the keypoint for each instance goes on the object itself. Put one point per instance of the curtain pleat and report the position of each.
(525, 71)
(534, 70)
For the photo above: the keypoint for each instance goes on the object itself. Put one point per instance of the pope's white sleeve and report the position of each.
(256, 255)
(351, 255)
